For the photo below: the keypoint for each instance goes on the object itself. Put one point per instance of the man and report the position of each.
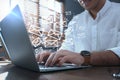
(92, 37)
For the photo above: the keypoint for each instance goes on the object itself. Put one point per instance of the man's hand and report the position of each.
(60, 57)
(42, 57)
(64, 56)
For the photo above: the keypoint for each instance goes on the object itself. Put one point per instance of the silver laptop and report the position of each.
(18, 45)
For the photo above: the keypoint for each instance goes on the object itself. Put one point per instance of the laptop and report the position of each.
(18, 45)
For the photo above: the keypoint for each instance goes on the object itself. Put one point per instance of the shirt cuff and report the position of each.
(116, 50)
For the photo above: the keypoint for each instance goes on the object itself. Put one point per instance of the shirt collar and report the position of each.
(105, 8)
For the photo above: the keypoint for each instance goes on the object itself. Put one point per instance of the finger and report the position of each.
(43, 56)
(63, 60)
(49, 60)
(37, 57)
(56, 58)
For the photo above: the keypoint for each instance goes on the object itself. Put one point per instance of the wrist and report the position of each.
(87, 57)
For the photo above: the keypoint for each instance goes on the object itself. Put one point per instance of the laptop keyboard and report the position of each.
(65, 66)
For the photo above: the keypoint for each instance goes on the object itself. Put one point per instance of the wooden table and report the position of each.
(11, 72)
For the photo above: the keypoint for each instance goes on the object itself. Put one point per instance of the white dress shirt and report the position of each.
(102, 33)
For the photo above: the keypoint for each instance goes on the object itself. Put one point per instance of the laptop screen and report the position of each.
(17, 41)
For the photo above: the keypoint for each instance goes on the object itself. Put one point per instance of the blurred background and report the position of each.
(46, 20)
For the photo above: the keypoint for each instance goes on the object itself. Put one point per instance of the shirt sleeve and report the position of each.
(68, 43)
(116, 50)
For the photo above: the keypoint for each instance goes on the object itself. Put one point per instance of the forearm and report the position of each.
(104, 58)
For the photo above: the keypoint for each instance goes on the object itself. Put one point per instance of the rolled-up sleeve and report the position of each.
(116, 50)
